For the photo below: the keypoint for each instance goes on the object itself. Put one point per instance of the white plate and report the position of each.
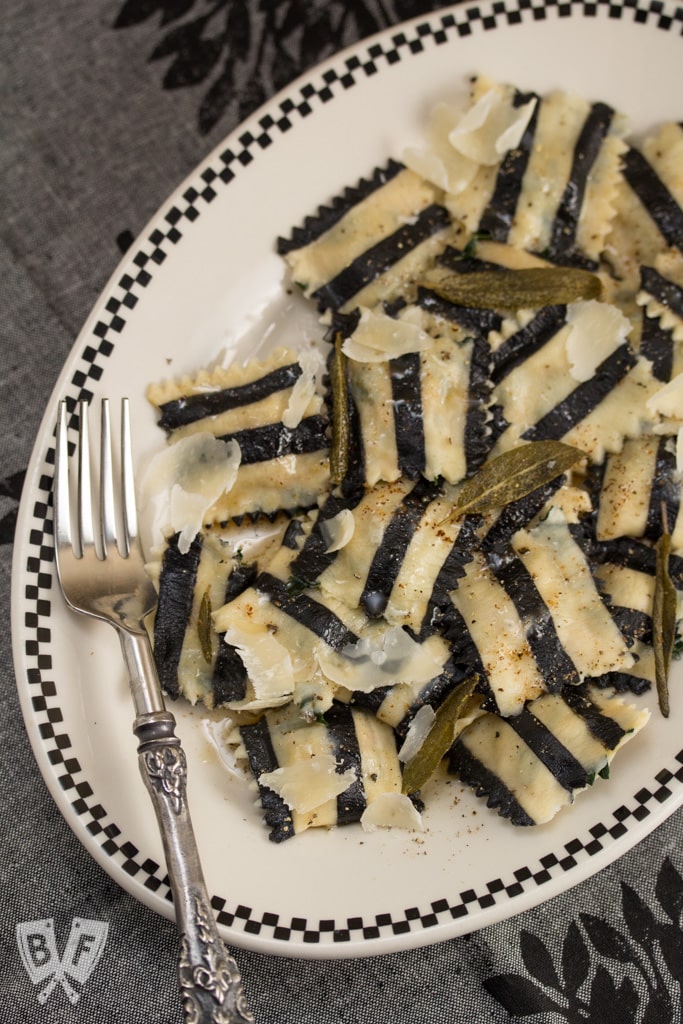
(202, 275)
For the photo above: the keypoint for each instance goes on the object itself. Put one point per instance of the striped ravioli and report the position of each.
(649, 205)
(400, 558)
(529, 618)
(569, 373)
(532, 765)
(305, 641)
(370, 242)
(191, 658)
(274, 412)
(326, 772)
(553, 192)
(635, 489)
(422, 411)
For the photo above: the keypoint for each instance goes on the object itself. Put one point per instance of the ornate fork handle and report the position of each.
(210, 983)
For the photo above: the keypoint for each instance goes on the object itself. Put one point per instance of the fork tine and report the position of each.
(62, 504)
(86, 533)
(130, 515)
(108, 529)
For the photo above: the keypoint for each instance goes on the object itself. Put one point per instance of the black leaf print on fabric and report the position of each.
(631, 971)
(519, 996)
(242, 53)
(10, 488)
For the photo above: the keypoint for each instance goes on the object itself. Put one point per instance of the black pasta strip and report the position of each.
(633, 624)
(190, 408)
(176, 596)
(380, 257)
(584, 398)
(307, 612)
(261, 444)
(229, 676)
(665, 494)
(292, 535)
(549, 750)
(388, 557)
(657, 345)
(529, 339)
(517, 514)
(328, 216)
(554, 663)
(474, 773)
(452, 570)
(500, 212)
(622, 682)
(342, 733)
(477, 437)
(606, 731)
(632, 554)
(655, 196)
(406, 400)
(261, 755)
(314, 557)
(479, 321)
(659, 287)
(588, 145)
(464, 652)
(373, 699)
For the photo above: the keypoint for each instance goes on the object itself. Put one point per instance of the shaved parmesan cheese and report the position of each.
(379, 337)
(269, 667)
(184, 480)
(391, 810)
(386, 657)
(312, 365)
(491, 127)
(306, 785)
(338, 531)
(417, 733)
(224, 738)
(668, 401)
(597, 329)
(440, 162)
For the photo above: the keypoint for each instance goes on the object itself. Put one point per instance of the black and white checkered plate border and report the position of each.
(37, 581)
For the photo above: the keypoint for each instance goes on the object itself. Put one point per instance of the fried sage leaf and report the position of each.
(663, 621)
(514, 474)
(528, 288)
(339, 448)
(204, 626)
(439, 738)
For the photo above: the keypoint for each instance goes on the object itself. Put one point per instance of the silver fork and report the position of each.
(101, 572)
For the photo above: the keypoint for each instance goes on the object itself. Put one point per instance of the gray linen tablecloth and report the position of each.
(106, 106)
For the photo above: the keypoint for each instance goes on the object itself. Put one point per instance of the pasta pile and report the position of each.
(517, 281)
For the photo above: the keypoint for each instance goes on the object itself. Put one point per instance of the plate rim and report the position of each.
(148, 248)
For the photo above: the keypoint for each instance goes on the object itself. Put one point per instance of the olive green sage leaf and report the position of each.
(439, 738)
(513, 475)
(663, 621)
(528, 288)
(204, 626)
(339, 448)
